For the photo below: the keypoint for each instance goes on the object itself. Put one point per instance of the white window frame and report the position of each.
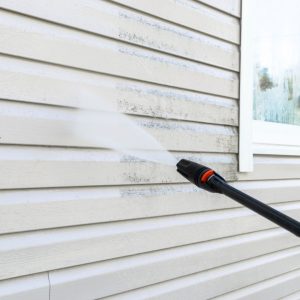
(258, 137)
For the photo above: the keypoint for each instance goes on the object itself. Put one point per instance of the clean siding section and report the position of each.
(220, 280)
(38, 251)
(92, 281)
(293, 296)
(281, 286)
(34, 287)
(273, 167)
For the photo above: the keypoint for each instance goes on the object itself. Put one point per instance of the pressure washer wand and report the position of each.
(211, 181)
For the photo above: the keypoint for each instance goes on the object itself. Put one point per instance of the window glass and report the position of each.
(276, 61)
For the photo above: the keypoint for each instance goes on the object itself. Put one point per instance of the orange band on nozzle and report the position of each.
(206, 175)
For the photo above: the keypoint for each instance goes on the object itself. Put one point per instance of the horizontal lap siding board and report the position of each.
(205, 285)
(38, 251)
(268, 167)
(294, 296)
(191, 14)
(34, 287)
(52, 43)
(24, 210)
(91, 281)
(279, 287)
(62, 86)
(96, 16)
(232, 7)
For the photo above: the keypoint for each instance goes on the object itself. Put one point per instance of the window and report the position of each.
(270, 80)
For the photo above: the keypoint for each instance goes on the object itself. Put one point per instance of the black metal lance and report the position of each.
(209, 180)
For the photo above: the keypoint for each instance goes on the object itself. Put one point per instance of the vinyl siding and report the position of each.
(281, 286)
(213, 282)
(33, 287)
(81, 221)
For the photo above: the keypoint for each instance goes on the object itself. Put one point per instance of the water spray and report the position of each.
(209, 180)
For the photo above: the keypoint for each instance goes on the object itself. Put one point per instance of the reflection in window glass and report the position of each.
(276, 60)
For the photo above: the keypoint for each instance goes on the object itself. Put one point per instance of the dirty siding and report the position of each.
(82, 222)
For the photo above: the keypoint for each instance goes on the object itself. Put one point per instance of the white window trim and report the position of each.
(258, 137)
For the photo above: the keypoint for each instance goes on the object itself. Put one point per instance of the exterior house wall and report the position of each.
(80, 221)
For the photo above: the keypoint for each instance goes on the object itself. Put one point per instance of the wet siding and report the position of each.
(80, 221)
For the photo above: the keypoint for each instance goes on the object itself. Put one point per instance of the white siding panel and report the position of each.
(274, 288)
(30, 38)
(294, 296)
(93, 281)
(24, 210)
(35, 287)
(211, 283)
(190, 14)
(38, 251)
(232, 7)
(33, 167)
(73, 88)
(273, 167)
(108, 19)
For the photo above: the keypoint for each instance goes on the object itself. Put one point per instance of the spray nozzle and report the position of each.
(198, 174)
